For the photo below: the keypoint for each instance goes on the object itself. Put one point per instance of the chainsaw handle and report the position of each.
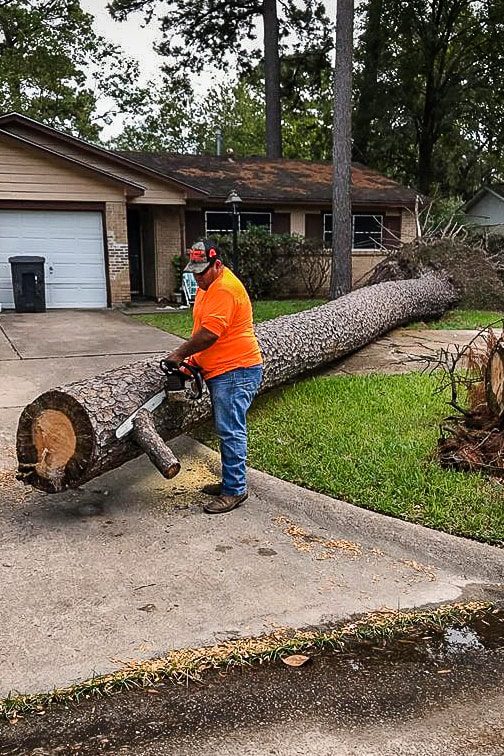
(168, 366)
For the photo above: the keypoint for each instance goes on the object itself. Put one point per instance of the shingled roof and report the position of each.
(262, 179)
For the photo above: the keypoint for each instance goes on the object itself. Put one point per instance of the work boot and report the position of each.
(224, 503)
(212, 489)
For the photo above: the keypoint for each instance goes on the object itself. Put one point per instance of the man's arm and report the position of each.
(201, 340)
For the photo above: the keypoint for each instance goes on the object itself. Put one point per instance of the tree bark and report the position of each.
(272, 80)
(67, 436)
(341, 271)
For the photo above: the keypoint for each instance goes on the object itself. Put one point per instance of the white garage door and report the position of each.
(72, 245)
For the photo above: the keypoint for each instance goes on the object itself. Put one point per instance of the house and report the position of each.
(486, 207)
(109, 224)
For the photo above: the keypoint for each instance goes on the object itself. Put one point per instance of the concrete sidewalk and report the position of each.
(129, 567)
(404, 350)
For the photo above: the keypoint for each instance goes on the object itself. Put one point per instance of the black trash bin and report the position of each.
(28, 282)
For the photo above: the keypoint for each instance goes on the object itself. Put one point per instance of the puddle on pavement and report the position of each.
(368, 683)
(483, 633)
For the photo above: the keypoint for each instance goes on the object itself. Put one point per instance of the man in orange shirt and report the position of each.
(224, 346)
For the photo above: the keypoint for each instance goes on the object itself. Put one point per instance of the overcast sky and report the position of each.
(137, 41)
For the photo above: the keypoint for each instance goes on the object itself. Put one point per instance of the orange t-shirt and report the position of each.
(225, 310)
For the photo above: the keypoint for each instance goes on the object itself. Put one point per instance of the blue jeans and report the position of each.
(232, 394)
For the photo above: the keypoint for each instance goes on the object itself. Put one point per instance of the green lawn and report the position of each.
(180, 323)
(462, 320)
(371, 441)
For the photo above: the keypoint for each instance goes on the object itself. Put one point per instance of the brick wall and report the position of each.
(408, 226)
(117, 243)
(167, 245)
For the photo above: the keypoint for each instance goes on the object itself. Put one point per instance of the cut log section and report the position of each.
(148, 439)
(494, 380)
(67, 436)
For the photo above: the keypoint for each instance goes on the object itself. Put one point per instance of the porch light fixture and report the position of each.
(234, 199)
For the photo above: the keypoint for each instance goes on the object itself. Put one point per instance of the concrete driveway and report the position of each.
(41, 350)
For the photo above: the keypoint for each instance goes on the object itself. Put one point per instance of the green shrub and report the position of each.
(177, 266)
(267, 261)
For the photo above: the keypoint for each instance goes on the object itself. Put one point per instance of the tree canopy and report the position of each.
(173, 119)
(199, 33)
(55, 68)
(429, 91)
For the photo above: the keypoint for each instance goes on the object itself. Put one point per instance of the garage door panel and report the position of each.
(77, 296)
(72, 244)
(64, 250)
(57, 224)
(62, 275)
(6, 293)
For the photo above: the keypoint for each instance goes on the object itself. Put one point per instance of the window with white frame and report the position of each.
(367, 231)
(221, 221)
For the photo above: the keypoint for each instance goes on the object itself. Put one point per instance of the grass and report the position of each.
(462, 320)
(180, 323)
(183, 665)
(371, 441)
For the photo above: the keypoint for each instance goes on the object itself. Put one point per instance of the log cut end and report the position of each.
(494, 380)
(54, 442)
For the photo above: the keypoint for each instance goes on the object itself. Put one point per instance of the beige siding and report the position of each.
(26, 175)
(156, 192)
(155, 196)
(303, 284)
(363, 264)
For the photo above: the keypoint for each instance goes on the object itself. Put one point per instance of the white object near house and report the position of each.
(189, 288)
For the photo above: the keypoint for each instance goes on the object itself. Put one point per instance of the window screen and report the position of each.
(218, 222)
(367, 231)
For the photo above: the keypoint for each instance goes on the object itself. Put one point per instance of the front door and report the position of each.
(135, 251)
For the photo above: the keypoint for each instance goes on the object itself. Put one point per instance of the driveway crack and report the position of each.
(2, 330)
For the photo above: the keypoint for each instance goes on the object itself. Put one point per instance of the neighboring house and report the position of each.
(486, 208)
(109, 224)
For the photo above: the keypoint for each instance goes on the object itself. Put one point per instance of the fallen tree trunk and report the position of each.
(67, 436)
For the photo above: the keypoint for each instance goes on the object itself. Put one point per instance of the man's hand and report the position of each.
(174, 357)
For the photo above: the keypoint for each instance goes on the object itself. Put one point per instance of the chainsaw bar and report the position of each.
(151, 404)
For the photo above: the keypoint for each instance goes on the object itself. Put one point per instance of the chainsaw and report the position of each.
(176, 377)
